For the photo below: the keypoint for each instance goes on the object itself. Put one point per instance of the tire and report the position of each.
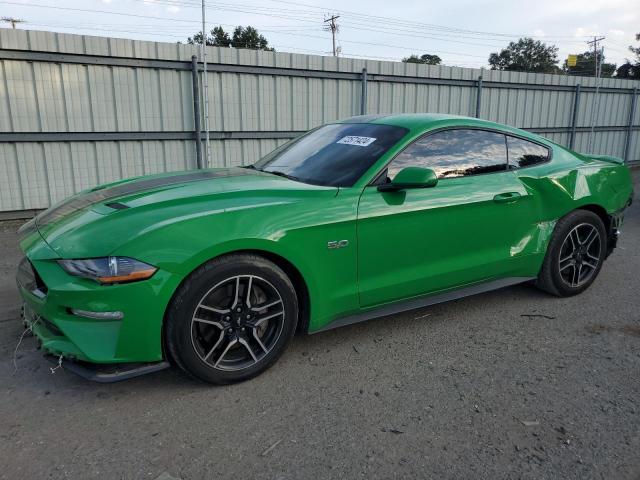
(217, 333)
(575, 254)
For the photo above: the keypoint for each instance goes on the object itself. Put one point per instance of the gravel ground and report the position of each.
(510, 384)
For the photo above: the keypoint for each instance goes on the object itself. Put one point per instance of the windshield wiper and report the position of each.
(282, 174)
(250, 167)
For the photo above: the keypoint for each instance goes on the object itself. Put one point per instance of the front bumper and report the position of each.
(49, 294)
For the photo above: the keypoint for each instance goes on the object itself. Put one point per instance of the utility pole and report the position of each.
(595, 42)
(205, 89)
(596, 98)
(334, 28)
(13, 21)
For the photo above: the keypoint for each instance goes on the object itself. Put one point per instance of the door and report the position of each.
(468, 228)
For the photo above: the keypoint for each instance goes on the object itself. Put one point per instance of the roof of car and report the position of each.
(404, 119)
(424, 121)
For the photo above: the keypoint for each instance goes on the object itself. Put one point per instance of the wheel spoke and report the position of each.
(236, 295)
(209, 322)
(255, 335)
(593, 234)
(248, 296)
(267, 306)
(268, 317)
(566, 262)
(243, 342)
(593, 265)
(593, 257)
(214, 310)
(217, 344)
(577, 274)
(568, 257)
(575, 239)
(575, 278)
(566, 265)
(226, 349)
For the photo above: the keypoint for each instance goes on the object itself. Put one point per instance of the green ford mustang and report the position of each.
(215, 270)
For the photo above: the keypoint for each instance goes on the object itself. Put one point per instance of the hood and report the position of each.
(111, 214)
(109, 194)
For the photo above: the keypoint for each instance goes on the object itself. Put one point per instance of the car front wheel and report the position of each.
(575, 254)
(231, 319)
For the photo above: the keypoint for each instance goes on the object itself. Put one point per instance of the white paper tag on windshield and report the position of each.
(357, 141)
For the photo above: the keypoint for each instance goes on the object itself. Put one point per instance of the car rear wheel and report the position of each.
(231, 319)
(575, 254)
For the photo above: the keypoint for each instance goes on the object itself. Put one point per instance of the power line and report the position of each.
(396, 33)
(23, 4)
(141, 16)
(398, 20)
(358, 42)
(411, 27)
(299, 16)
(290, 14)
(356, 25)
(408, 26)
(256, 11)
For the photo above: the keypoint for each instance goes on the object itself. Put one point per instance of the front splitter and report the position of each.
(108, 373)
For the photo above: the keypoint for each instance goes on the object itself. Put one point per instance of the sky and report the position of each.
(461, 32)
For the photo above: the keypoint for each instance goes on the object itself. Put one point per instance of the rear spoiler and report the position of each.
(604, 158)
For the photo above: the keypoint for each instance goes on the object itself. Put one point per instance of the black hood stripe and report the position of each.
(101, 194)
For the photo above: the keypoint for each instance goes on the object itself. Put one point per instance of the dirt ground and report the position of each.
(509, 384)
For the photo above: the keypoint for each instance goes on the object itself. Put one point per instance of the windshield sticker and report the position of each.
(357, 141)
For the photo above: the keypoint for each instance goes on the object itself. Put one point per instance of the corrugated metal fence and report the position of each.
(76, 111)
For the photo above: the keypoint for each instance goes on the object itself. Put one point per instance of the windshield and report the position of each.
(333, 155)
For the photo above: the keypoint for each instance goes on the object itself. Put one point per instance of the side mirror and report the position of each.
(411, 177)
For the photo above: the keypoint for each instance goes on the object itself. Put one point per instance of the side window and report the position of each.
(523, 153)
(455, 153)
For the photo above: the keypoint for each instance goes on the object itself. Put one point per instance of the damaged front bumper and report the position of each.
(62, 353)
(59, 310)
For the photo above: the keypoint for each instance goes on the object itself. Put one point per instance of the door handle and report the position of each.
(507, 197)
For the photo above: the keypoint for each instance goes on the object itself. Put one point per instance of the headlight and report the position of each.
(109, 269)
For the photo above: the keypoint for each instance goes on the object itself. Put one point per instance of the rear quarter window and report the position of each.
(523, 153)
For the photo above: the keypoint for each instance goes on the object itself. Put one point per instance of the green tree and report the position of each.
(636, 50)
(243, 37)
(526, 55)
(220, 37)
(248, 37)
(631, 68)
(426, 59)
(586, 66)
(628, 70)
(197, 39)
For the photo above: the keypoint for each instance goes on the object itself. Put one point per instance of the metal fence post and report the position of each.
(363, 93)
(632, 114)
(478, 96)
(196, 110)
(574, 116)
